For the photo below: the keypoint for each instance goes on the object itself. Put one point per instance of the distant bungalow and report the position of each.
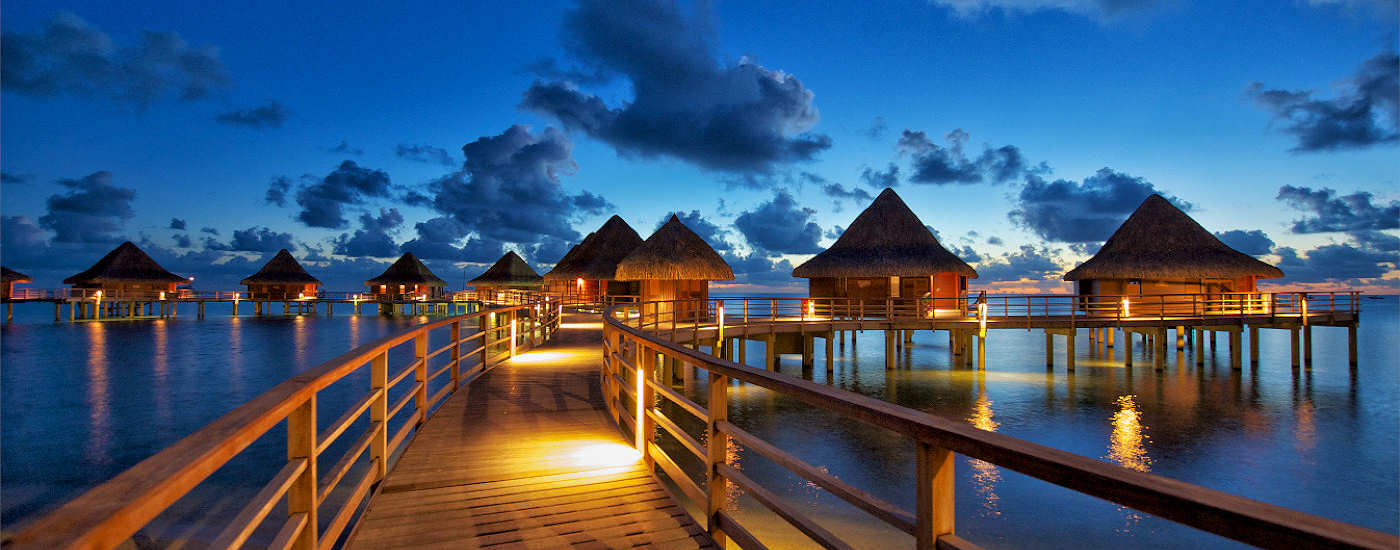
(126, 271)
(589, 270)
(675, 264)
(281, 278)
(407, 279)
(1161, 250)
(887, 252)
(510, 272)
(8, 279)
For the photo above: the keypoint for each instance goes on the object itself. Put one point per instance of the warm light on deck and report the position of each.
(602, 455)
(595, 326)
(547, 356)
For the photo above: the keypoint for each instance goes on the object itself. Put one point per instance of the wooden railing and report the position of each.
(636, 342)
(112, 512)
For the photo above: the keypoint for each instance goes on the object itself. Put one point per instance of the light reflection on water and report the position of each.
(1127, 445)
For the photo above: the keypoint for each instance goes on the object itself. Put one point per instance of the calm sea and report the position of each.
(81, 402)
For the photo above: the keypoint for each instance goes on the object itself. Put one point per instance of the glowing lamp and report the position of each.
(301, 295)
(162, 295)
(512, 337)
(1125, 308)
(811, 309)
(982, 320)
(98, 295)
(719, 311)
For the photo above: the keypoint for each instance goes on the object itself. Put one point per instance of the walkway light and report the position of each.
(1125, 308)
(512, 337)
(162, 296)
(982, 320)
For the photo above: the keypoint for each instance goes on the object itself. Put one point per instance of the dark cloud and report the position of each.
(687, 105)
(277, 191)
(994, 240)
(837, 191)
(6, 177)
(548, 251)
(712, 233)
(548, 68)
(877, 128)
(757, 182)
(177, 224)
(880, 179)
(1029, 263)
(345, 149)
(756, 269)
(182, 241)
(372, 239)
(209, 230)
(780, 226)
(322, 203)
(508, 189)
(1334, 262)
(253, 239)
(413, 197)
(438, 237)
(22, 243)
(91, 211)
(69, 56)
(834, 233)
(1254, 243)
(1365, 114)
(1377, 241)
(966, 252)
(1331, 212)
(1081, 212)
(425, 153)
(271, 115)
(943, 165)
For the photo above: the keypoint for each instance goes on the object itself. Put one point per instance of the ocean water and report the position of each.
(79, 403)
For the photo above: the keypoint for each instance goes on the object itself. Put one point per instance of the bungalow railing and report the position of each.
(637, 346)
(317, 514)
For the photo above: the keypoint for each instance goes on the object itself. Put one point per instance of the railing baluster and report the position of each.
(718, 449)
(379, 413)
(301, 444)
(420, 375)
(934, 495)
(456, 358)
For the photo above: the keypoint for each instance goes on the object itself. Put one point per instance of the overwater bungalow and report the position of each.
(407, 279)
(509, 272)
(588, 272)
(1161, 250)
(675, 264)
(8, 279)
(127, 272)
(281, 278)
(887, 252)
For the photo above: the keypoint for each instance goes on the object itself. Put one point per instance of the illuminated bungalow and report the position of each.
(8, 279)
(1161, 250)
(675, 264)
(887, 252)
(126, 271)
(509, 272)
(281, 278)
(407, 279)
(589, 271)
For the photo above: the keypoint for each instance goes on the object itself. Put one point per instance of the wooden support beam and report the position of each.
(1069, 349)
(1307, 346)
(1180, 337)
(1159, 349)
(1200, 339)
(1049, 351)
(830, 358)
(1236, 350)
(890, 354)
(934, 495)
(1253, 346)
(1351, 344)
(1293, 345)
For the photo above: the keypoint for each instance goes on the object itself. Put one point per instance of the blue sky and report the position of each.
(643, 108)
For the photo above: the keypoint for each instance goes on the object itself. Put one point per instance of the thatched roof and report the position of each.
(1160, 242)
(511, 271)
(886, 240)
(674, 252)
(281, 269)
(597, 257)
(125, 264)
(407, 271)
(8, 275)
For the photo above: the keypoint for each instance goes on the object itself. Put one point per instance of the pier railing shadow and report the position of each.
(643, 341)
(109, 514)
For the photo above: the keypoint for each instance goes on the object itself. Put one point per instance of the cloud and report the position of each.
(738, 117)
(345, 149)
(943, 165)
(277, 191)
(878, 179)
(438, 237)
(6, 177)
(548, 251)
(372, 239)
(177, 224)
(271, 115)
(1081, 212)
(253, 239)
(69, 56)
(1377, 241)
(758, 270)
(1363, 115)
(1102, 9)
(834, 233)
(209, 230)
(425, 153)
(837, 191)
(21, 242)
(1330, 212)
(548, 68)
(1254, 243)
(91, 211)
(508, 189)
(995, 240)
(877, 128)
(1334, 262)
(780, 226)
(182, 241)
(712, 233)
(322, 202)
(1029, 263)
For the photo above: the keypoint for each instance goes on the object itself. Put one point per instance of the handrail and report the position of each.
(110, 513)
(936, 439)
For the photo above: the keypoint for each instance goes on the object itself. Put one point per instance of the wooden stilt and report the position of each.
(1069, 349)
(981, 353)
(772, 358)
(1307, 346)
(808, 352)
(1293, 345)
(1180, 337)
(1351, 344)
(1159, 349)
(890, 354)
(1200, 348)
(1110, 331)
(830, 360)
(1235, 349)
(1253, 346)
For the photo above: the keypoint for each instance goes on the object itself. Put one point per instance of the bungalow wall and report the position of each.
(405, 291)
(281, 291)
(695, 292)
(944, 288)
(133, 290)
(1105, 295)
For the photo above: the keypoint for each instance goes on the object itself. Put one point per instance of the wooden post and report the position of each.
(1128, 353)
(934, 495)
(830, 361)
(743, 355)
(1351, 344)
(1180, 337)
(1293, 345)
(1200, 339)
(1049, 350)
(1069, 349)
(1253, 346)
(1109, 330)
(301, 496)
(808, 351)
(718, 449)
(420, 375)
(646, 394)
(1307, 346)
(379, 413)
(890, 354)
(981, 353)
(286, 308)
(484, 330)
(1236, 350)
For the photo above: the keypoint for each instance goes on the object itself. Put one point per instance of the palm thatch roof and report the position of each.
(281, 269)
(408, 270)
(886, 240)
(674, 252)
(8, 276)
(597, 257)
(125, 264)
(510, 271)
(1160, 242)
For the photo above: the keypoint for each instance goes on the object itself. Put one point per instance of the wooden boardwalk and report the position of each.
(525, 457)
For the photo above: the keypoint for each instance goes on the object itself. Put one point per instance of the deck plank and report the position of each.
(525, 457)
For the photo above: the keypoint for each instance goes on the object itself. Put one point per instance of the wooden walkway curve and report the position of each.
(526, 457)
